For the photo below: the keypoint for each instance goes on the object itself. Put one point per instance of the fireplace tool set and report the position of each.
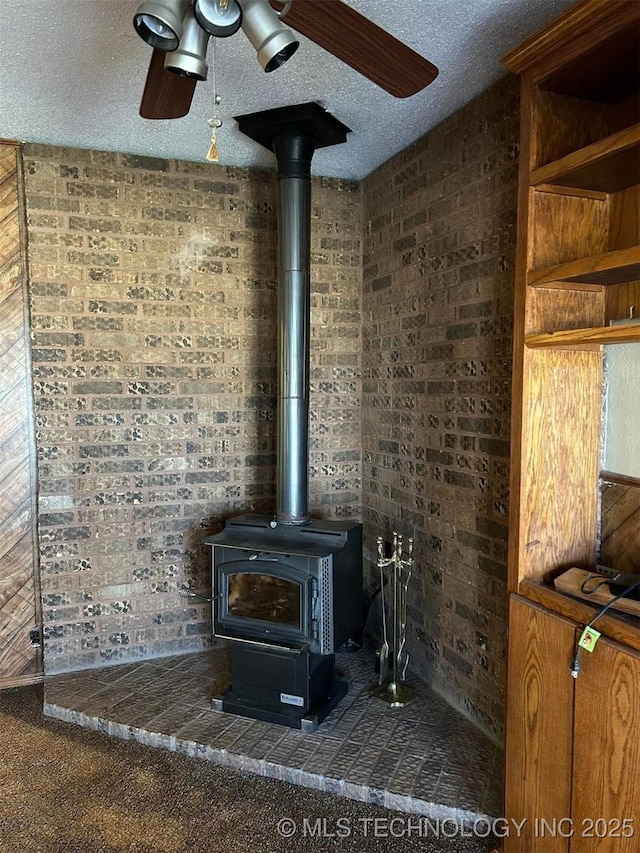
(391, 687)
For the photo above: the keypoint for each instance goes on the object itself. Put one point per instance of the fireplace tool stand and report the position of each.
(391, 687)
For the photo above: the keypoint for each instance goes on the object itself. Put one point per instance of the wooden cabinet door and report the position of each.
(539, 728)
(606, 755)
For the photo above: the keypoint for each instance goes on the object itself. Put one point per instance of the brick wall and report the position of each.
(437, 311)
(153, 290)
(153, 304)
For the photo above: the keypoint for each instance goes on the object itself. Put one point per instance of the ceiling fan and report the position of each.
(179, 31)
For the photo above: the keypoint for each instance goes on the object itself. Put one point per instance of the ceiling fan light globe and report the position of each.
(159, 22)
(274, 42)
(218, 19)
(190, 58)
(273, 56)
(157, 27)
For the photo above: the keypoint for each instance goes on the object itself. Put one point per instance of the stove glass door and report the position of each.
(265, 597)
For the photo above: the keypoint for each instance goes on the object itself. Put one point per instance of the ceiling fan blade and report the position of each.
(166, 95)
(363, 45)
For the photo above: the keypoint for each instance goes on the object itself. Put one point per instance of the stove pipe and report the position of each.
(294, 155)
(293, 134)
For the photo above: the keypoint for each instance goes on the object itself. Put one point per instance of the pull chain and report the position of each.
(214, 122)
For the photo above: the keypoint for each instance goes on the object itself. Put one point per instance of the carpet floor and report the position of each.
(64, 789)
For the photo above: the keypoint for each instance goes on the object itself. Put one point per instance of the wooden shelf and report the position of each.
(569, 338)
(571, 581)
(609, 165)
(611, 268)
(618, 626)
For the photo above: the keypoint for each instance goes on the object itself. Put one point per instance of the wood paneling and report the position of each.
(539, 724)
(622, 300)
(549, 310)
(572, 581)
(7, 162)
(573, 746)
(618, 57)
(20, 661)
(624, 223)
(568, 228)
(558, 513)
(526, 200)
(563, 126)
(620, 531)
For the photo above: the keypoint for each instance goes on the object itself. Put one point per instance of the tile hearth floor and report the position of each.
(425, 758)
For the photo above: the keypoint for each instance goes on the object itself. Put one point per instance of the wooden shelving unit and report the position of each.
(577, 272)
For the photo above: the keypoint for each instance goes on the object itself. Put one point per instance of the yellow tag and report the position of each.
(589, 638)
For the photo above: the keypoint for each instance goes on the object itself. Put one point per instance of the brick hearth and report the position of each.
(425, 758)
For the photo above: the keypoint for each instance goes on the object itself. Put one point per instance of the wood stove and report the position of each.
(288, 588)
(287, 598)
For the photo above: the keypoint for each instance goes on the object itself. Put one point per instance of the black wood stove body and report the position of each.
(288, 589)
(287, 598)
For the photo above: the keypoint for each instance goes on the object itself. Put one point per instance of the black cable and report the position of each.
(575, 665)
(596, 587)
(620, 595)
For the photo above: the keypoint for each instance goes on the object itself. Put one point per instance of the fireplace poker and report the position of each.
(384, 650)
(403, 655)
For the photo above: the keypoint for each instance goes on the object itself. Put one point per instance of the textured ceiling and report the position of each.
(72, 72)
